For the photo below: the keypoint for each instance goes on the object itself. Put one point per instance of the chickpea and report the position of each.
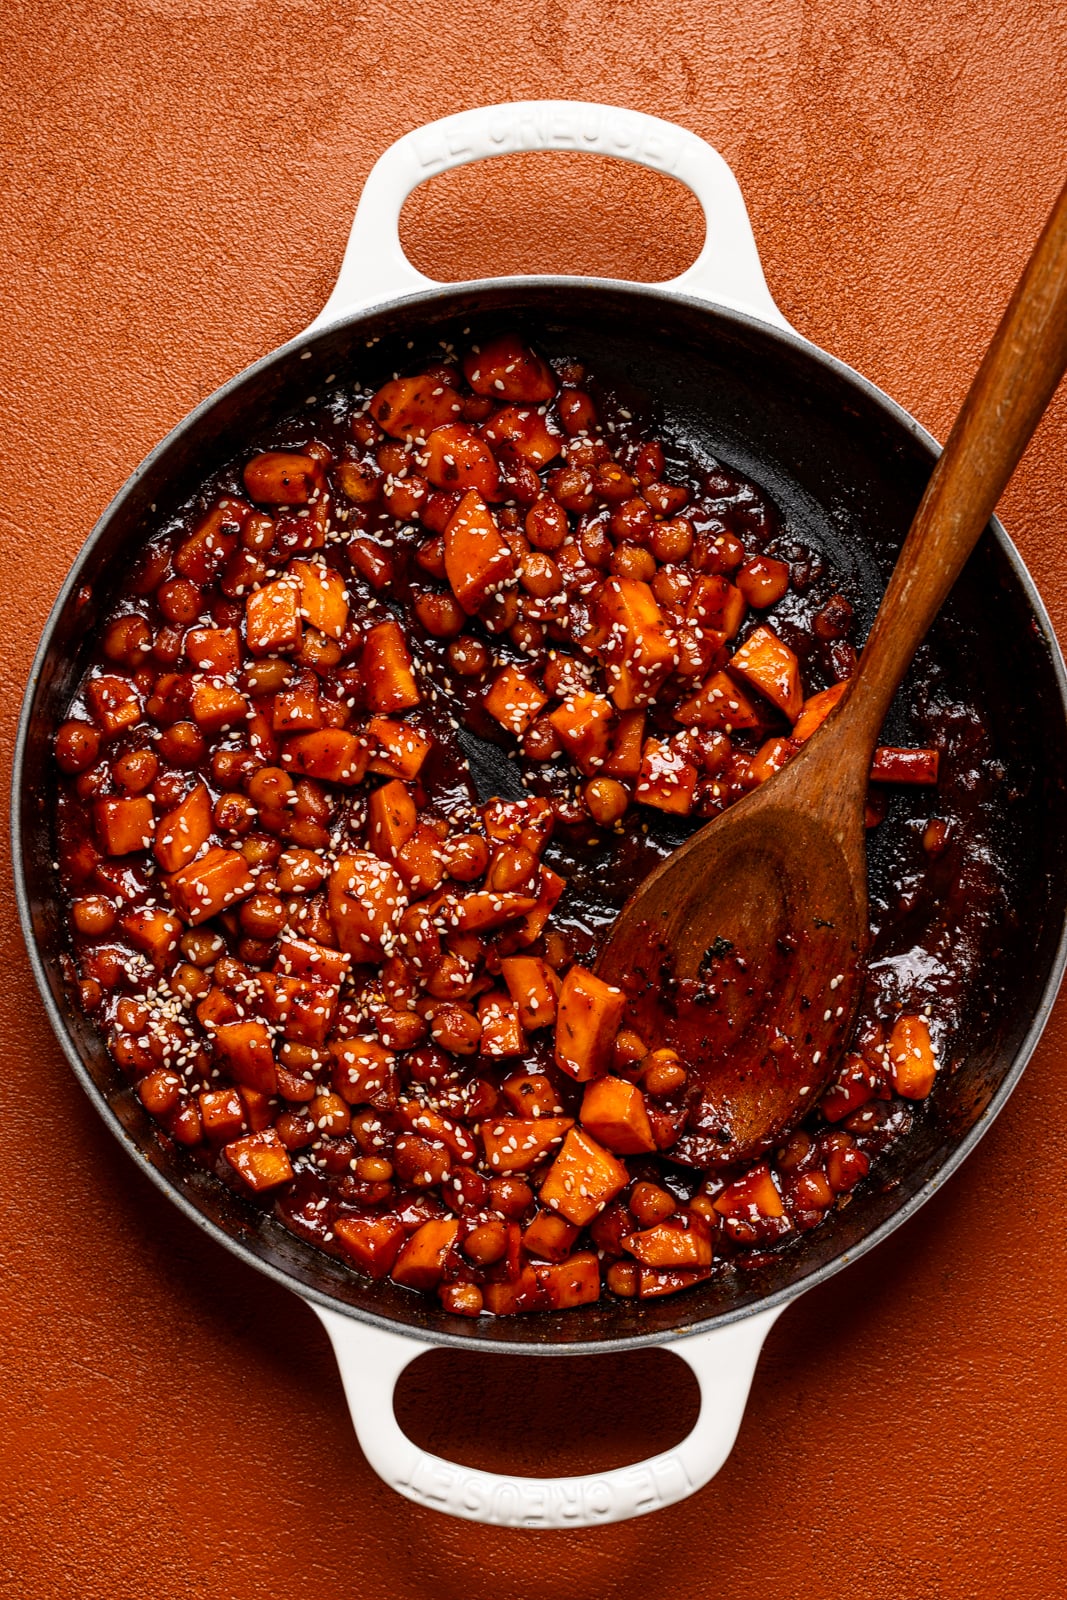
(182, 744)
(540, 575)
(300, 871)
(573, 489)
(512, 1197)
(330, 1114)
(546, 523)
(462, 1299)
(259, 850)
(632, 522)
(135, 771)
(486, 1243)
(420, 1163)
(672, 540)
(456, 1029)
(127, 640)
(541, 742)
(262, 916)
(577, 412)
(95, 782)
(501, 611)
(202, 947)
(650, 1204)
(628, 1049)
(295, 1129)
(528, 636)
(270, 787)
(666, 498)
(440, 614)
(513, 868)
(607, 800)
(813, 1190)
(632, 561)
(663, 1072)
(465, 857)
(622, 1278)
(93, 914)
(190, 981)
(613, 484)
(468, 656)
(179, 600)
(77, 746)
(373, 1169)
(595, 545)
(234, 813)
(650, 464)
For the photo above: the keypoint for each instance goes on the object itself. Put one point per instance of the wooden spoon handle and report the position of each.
(1014, 384)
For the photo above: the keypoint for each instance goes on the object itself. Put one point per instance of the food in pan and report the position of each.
(356, 978)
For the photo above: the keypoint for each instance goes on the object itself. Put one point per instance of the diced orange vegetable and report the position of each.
(815, 710)
(584, 723)
(209, 885)
(114, 702)
(366, 899)
(410, 408)
(243, 1049)
(261, 1160)
(514, 1145)
(456, 459)
(719, 703)
(420, 1118)
(763, 581)
(297, 708)
(573, 1282)
(272, 618)
(282, 477)
(373, 1243)
(222, 1114)
(753, 1194)
(216, 704)
(531, 1095)
(668, 779)
(637, 651)
(891, 765)
(534, 987)
(389, 682)
(715, 603)
(506, 1297)
(418, 860)
(911, 1057)
(613, 1111)
(329, 753)
(421, 1262)
(624, 760)
(655, 1281)
(582, 1179)
(488, 908)
(478, 561)
(306, 959)
(770, 758)
(549, 1236)
(589, 1015)
(155, 932)
(771, 667)
(203, 554)
(391, 819)
(216, 1007)
(524, 431)
(514, 699)
(399, 748)
(506, 369)
(502, 1033)
(671, 1244)
(323, 596)
(214, 649)
(304, 1006)
(124, 826)
(364, 1072)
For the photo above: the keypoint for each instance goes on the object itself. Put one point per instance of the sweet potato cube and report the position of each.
(216, 704)
(364, 1072)
(478, 561)
(305, 1007)
(582, 1179)
(410, 408)
(297, 708)
(614, 1112)
(668, 779)
(305, 958)
(624, 759)
(329, 753)
(391, 819)
(549, 1236)
(506, 1297)
(204, 553)
(912, 1061)
(534, 987)
(589, 1015)
(456, 459)
(216, 650)
(507, 369)
(272, 618)
(770, 758)
(815, 710)
(523, 431)
(719, 703)
(531, 1095)
(208, 886)
(215, 1008)
(243, 1049)
(514, 1145)
(638, 652)
(655, 1281)
(222, 1114)
(514, 699)
(752, 1195)
(573, 1282)
(261, 1160)
(261, 740)
(767, 664)
(488, 908)
(373, 1243)
(366, 900)
(672, 1244)
(550, 887)
(584, 723)
(282, 477)
(114, 702)
(389, 682)
(502, 1033)
(323, 596)
(421, 1261)
(153, 931)
(715, 603)
(124, 826)
(891, 765)
(398, 749)
(421, 1118)
(418, 860)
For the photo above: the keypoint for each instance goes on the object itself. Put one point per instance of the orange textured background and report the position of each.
(178, 180)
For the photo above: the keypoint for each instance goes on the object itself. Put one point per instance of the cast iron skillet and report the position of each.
(847, 467)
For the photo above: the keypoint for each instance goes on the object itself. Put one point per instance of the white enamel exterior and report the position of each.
(726, 273)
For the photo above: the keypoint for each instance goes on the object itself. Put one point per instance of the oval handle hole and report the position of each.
(549, 1416)
(555, 211)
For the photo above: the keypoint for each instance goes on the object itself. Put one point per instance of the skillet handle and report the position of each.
(371, 1361)
(375, 268)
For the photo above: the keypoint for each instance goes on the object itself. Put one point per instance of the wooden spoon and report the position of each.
(746, 949)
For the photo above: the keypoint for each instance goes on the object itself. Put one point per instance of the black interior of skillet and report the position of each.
(847, 469)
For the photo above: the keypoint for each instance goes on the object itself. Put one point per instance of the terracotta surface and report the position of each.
(178, 181)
